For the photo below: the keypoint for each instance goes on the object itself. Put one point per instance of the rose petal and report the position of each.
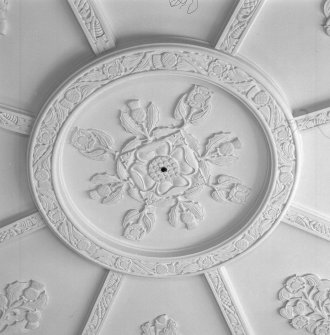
(149, 182)
(164, 187)
(141, 178)
(179, 181)
(185, 168)
(178, 154)
(163, 149)
(145, 155)
(142, 169)
(149, 151)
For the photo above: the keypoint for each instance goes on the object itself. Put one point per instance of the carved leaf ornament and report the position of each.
(161, 325)
(21, 305)
(306, 303)
(163, 163)
(192, 5)
(143, 125)
(326, 11)
(239, 25)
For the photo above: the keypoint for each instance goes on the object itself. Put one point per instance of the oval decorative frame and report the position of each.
(232, 75)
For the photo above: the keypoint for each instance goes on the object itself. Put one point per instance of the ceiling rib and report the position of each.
(97, 33)
(220, 286)
(15, 120)
(20, 228)
(313, 119)
(103, 303)
(238, 25)
(309, 221)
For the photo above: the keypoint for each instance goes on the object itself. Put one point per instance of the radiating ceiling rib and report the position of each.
(103, 304)
(238, 25)
(314, 119)
(220, 286)
(97, 33)
(15, 120)
(21, 227)
(305, 219)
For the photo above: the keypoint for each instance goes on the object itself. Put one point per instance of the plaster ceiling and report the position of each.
(164, 167)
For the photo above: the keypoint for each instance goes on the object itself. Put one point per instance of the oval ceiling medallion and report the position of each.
(163, 160)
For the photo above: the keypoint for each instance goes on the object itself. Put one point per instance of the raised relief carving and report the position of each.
(303, 219)
(326, 10)
(161, 325)
(90, 20)
(225, 301)
(314, 119)
(163, 163)
(306, 303)
(192, 5)
(21, 305)
(91, 24)
(238, 25)
(207, 65)
(16, 121)
(3, 17)
(21, 227)
(103, 304)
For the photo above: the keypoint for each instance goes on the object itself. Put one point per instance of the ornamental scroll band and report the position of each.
(163, 165)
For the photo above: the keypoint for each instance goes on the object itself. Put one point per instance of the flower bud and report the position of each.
(137, 112)
(226, 149)
(189, 220)
(103, 190)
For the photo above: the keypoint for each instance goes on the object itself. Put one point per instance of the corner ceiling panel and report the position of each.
(288, 42)
(199, 20)
(259, 277)
(40, 260)
(42, 46)
(188, 301)
(15, 197)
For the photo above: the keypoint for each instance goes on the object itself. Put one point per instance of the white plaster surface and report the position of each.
(43, 46)
(42, 257)
(188, 300)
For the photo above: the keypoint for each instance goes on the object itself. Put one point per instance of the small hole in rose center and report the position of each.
(163, 169)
